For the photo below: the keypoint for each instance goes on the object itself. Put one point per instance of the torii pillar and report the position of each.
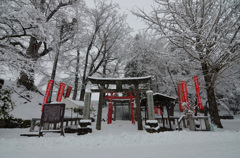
(100, 103)
(139, 118)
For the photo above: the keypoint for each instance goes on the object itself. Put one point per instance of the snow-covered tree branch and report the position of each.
(207, 30)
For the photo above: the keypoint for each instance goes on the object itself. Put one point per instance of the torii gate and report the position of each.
(119, 82)
(110, 107)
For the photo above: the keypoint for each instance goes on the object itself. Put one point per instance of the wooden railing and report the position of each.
(67, 121)
(187, 121)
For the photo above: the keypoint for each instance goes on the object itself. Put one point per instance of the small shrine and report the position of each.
(103, 83)
(161, 102)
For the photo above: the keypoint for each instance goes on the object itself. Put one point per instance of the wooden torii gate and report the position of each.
(102, 82)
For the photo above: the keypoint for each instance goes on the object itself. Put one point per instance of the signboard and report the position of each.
(50, 83)
(52, 113)
(60, 91)
(200, 106)
(69, 89)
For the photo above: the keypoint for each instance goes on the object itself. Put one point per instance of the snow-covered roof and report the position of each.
(73, 103)
(120, 79)
(165, 95)
(127, 80)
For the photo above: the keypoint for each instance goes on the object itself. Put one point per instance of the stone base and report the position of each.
(152, 123)
(152, 126)
(85, 127)
(82, 131)
(152, 130)
(85, 123)
(71, 130)
(156, 129)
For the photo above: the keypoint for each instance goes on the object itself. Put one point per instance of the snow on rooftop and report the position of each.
(165, 95)
(120, 79)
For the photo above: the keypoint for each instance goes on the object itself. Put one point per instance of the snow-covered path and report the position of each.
(122, 139)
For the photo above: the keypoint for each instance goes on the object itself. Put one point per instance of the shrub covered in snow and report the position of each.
(6, 103)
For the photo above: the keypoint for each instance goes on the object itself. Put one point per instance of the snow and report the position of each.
(151, 121)
(122, 139)
(164, 95)
(119, 79)
(85, 121)
(73, 103)
(117, 140)
(181, 117)
(149, 91)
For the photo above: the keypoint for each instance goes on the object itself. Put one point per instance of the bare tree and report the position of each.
(108, 27)
(65, 31)
(28, 21)
(207, 30)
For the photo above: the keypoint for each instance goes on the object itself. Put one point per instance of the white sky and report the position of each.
(126, 6)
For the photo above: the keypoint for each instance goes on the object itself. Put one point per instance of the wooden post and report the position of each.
(87, 103)
(207, 124)
(150, 103)
(99, 116)
(169, 117)
(184, 123)
(139, 118)
(131, 104)
(129, 110)
(33, 124)
(110, 109)
(122, 111)
(192, 126)
(46, 126)
(115, 110)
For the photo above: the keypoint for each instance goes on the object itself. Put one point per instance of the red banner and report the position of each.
(60, 91)
(180, 96)
(110, 110)
(185, 93)
(69, 89)
(200, 106)
(50, 83)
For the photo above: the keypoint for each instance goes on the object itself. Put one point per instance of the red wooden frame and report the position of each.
(110, 107)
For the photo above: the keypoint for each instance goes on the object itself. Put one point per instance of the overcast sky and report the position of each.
(126, 6)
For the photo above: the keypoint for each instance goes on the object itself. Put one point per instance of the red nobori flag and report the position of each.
(180, 96)
(60, 91)
(200, 106)
(50, 83)
(185, 93)
(69, 89)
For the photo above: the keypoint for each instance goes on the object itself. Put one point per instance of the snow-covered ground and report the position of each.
(120, 139)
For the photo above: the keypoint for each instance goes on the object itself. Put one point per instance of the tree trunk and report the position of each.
(26, 77)
(54, 70)
(27, 80)
(83, 89)
(76, 77)
(213, 110)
